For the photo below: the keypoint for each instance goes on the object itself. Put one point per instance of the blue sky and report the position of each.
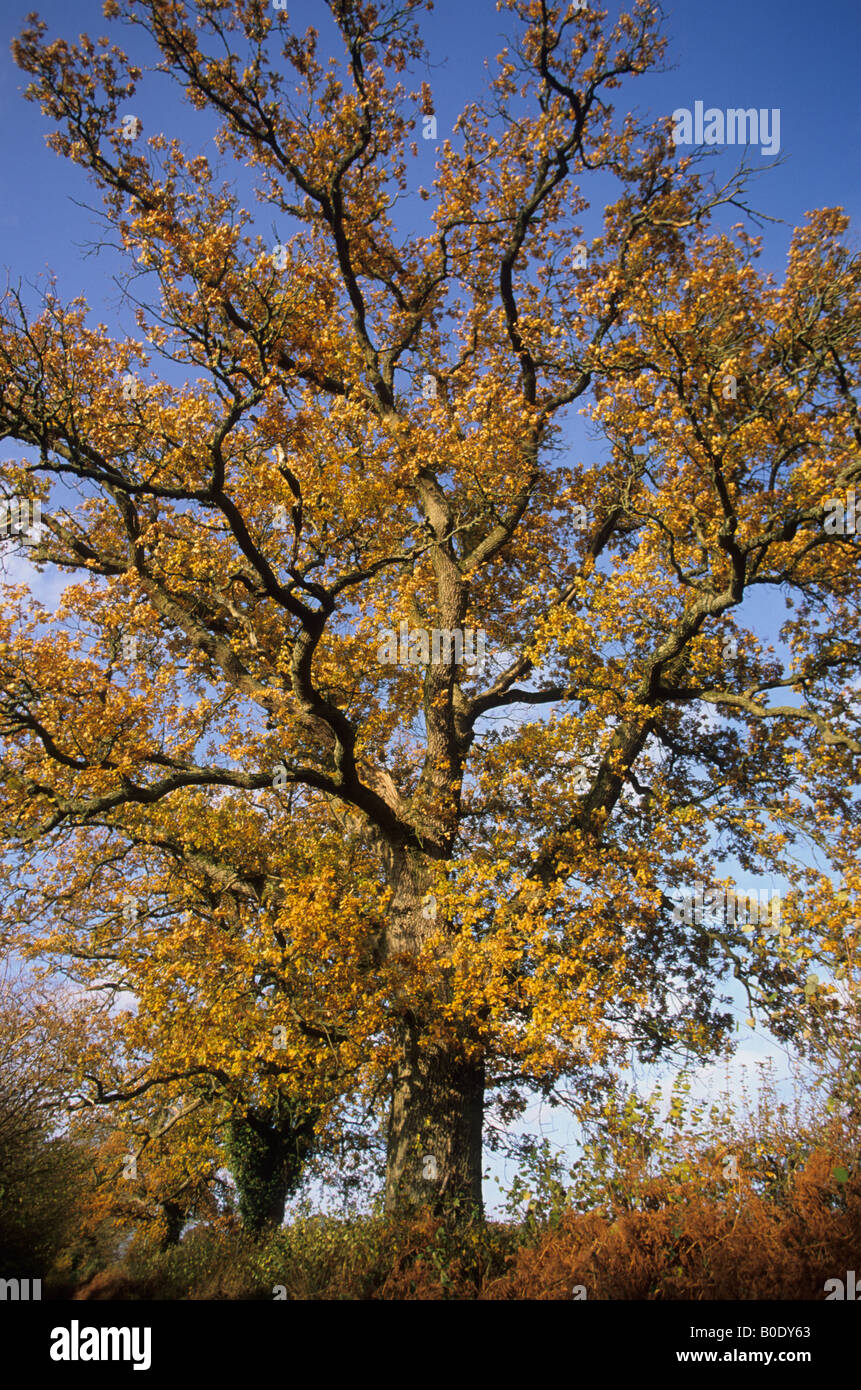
(783, 54)
(787, 54)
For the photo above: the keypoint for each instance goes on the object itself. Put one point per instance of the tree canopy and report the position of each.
(428, 884)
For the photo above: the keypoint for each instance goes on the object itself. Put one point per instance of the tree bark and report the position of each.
(435, 1122)
(434, 1143)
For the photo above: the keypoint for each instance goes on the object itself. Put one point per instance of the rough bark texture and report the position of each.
(435, 1121)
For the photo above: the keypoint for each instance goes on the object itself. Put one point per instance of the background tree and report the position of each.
(266, 1150)
(206, 1017)
(43, 1173)
(401, 397)
(156, 1167)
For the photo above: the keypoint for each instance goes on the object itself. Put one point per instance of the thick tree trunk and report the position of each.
(435, 1123)
(434, 1141)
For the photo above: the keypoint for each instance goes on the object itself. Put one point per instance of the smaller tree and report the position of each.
(157, 1168)
(43, 1173)
(266, 1149)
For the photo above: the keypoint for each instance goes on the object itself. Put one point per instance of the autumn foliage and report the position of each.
(305, 882)
(788, 1223)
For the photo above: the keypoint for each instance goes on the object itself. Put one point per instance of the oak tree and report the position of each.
(381, 869)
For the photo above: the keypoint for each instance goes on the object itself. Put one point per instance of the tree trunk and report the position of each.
(434, 1140)
(434, 1148)
(266, 1149)
(173, 1220)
